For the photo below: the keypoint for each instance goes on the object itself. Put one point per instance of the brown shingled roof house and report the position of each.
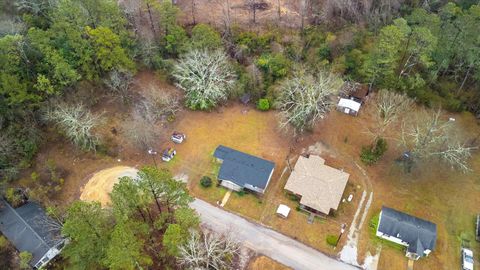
(319, 186)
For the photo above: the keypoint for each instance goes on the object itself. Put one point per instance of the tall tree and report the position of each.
(306, 98)
(126, 247)
(88, 227)
(108, 52)
(208, 251)
(429, 137)
(206, 77)
(76, 122)
(163, 189)
(129, 200)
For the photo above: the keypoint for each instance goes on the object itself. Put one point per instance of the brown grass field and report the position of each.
(265, 263)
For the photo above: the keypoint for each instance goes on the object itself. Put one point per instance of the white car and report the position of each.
(178, 137)
(467, 259)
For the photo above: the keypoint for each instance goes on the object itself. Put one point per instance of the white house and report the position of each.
(418, 235)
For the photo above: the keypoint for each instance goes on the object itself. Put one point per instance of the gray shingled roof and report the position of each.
(241, 168)
(418, 233)
(28, 228)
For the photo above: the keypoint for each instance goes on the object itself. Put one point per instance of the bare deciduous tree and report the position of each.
(208, 251)
(76, 122)
(431, 137)
(226, 16)
(157, 104)
(306, 98)
(140, 131)
(206, 77)
(119, 83)
(387, 108)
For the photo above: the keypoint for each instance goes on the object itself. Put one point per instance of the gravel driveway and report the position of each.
(266, 241)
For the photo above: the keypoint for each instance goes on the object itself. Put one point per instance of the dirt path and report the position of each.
(349, 253)
(100, 185)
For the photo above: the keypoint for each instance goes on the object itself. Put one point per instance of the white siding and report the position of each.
(47, 257)
(256, 189)
(269, 177)
(391, 239)
(230, 185)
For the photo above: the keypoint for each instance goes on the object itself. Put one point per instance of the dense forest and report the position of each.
(57, 56)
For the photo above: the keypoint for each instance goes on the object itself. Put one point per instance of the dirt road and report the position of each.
(266, 241)
(100, 185)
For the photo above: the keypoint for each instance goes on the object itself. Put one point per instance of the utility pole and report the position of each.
(342, 230)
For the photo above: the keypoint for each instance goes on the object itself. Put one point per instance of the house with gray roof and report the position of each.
(418, 235)
(243, 171)
(29, 229)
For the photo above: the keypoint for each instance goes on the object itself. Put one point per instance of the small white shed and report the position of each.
(349, 106)
(283, 210)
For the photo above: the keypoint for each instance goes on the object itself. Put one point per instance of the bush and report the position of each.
(241, 193)
(370, 155)
(263, 104)
(3, 242)
(14, 196)
(373, 224)
(332, 240)
(275, 66)
(25, 258)
(206, 182)
(205, 37)
(253, 43)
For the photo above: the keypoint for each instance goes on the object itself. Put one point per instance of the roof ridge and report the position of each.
(26, 224)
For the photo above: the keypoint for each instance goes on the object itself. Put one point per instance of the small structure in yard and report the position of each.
(477, 234)
(283, 211)
(31, 230)
(349, 106)
(320, 186)
(243, 171)
(168, 154)
(418, 235)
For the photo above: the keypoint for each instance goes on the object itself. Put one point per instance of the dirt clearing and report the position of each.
(100, 185)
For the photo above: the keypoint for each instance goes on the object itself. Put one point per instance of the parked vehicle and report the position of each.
(467, 259)
(168, 154)
(178, 137)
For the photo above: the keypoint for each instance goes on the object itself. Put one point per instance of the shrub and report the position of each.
(263, 104)
(293, 197)
(3, 242)
(14, 197)
(253, 43)
(373, 224)
(276, 66)
(205, 37)
(370, 155)
(206, 181)
(241, 193)
(25, 258)
(332, 240)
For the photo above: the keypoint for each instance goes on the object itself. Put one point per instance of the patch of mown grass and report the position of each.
(373, 225)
